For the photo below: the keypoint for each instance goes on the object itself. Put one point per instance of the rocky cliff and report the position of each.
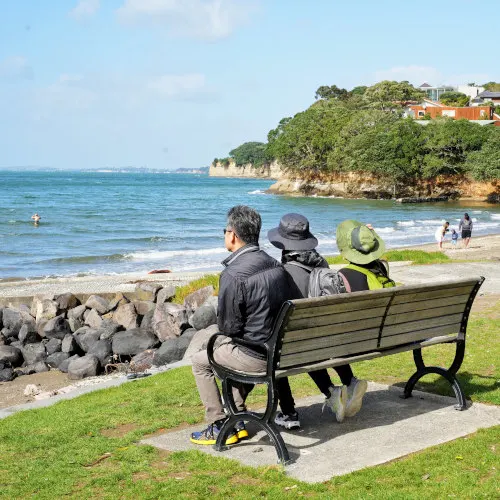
(229, 169)
(356, 185)
(360, 185)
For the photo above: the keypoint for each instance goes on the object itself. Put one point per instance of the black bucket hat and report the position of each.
(292, 234)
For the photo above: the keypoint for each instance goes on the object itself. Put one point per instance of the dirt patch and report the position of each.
(12, 393)
(247, 481)
(119, 431)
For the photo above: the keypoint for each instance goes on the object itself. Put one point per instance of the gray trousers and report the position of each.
(230, 355)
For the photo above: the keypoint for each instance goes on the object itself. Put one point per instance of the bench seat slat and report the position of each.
(410, 326)
(426, 333)
(403, 296)
(328, 341)
(422, 305)
(339, 307)
(436, 312)
(321, 331)
(323, 354)
(334, 319)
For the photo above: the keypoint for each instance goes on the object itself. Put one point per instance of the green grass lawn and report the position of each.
(416, 256)
(87, 447)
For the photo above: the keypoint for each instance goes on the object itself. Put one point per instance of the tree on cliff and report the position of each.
(484, 164)
(391, 95)
(454, 99)
(380, 143)
(331, 92)
(448, 143)
(304, 143)
(251, 152)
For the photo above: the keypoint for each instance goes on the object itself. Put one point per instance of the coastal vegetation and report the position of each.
(368, 130)
(89, 446)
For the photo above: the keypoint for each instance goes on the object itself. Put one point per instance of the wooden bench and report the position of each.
(330, 331)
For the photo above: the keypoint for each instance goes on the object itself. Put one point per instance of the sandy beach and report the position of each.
(482, 256)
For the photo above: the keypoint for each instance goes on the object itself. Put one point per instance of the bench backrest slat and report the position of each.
(336, 318)
(321, 328)
(419, 335)
(342, 305)
(322, 354)
(422, 305)
(411, 315)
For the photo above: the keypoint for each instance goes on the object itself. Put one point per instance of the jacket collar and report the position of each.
(251, 247)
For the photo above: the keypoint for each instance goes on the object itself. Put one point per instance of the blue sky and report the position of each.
(175, 83)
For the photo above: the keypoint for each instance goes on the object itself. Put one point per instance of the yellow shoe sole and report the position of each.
(230, 440)
(243, 434)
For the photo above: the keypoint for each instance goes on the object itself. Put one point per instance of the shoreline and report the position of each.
(485, 248)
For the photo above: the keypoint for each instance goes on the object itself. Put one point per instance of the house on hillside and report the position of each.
(471, 91)
(434, 93)
(483, 115)
(486, 96)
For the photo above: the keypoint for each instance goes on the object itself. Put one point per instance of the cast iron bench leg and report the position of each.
(449, 374)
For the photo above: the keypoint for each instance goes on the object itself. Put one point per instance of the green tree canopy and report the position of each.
(448, 143)
(332, 92)
(454, 99)
(389, 95)
(304, 142)
(484, 164)
(380, 143)
(492, 86)
(250, 152)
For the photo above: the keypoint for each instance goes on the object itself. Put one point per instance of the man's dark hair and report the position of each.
(245, 222)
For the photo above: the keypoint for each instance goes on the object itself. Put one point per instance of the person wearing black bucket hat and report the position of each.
(298, 247)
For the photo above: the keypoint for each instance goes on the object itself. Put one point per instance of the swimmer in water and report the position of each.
(36, 218)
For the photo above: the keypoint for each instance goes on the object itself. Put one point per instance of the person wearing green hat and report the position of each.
(362, 247)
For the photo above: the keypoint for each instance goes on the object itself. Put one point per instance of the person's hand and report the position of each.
(369, 226)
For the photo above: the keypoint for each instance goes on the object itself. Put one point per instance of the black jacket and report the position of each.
(252, 288)
(298, 276)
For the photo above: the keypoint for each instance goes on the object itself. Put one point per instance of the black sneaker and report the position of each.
(290, 421)
(209, 435)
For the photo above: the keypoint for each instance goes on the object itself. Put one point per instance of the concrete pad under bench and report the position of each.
(386, 428)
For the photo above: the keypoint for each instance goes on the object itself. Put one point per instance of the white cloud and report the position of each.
(206, 19)
(15, 68)
(85, 9)
(419, 74)
(177, 85)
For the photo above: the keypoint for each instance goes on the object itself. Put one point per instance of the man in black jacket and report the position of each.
(252, 288)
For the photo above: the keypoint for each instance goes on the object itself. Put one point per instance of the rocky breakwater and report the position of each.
(84, 340)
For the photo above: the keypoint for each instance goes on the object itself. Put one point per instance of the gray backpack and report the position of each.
(324, 281)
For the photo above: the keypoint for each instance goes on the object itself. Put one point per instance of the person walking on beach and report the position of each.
(440, 234)
(252, 289)
(466, 227)
(454, 238)
(299, 258)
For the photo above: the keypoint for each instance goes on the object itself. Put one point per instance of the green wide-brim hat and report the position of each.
(358, 243)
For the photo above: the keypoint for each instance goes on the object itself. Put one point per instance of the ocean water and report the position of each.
(108, 223)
